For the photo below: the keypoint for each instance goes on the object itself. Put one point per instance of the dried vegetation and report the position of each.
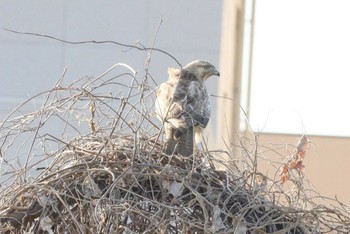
(101, 170)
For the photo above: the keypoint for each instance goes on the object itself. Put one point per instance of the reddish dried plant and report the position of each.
(296, 161)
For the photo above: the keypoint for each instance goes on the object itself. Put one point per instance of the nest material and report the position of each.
(105, 172)
(121, 190)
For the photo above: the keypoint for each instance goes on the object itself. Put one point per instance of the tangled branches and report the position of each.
(90, 160)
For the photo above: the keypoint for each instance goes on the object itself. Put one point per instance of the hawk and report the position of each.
(183, 106)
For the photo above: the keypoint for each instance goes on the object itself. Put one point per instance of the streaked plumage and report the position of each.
(184, 107)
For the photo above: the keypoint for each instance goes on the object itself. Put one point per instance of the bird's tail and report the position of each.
(182, 145)
(185, 143)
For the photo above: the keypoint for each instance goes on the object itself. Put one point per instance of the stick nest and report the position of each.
(90, 159)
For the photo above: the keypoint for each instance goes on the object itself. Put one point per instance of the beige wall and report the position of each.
(326, 163)
(229, 89)
(327, 159)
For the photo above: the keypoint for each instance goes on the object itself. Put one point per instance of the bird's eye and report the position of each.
(207, 67)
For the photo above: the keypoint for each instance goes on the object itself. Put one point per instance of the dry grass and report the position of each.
(102, 170)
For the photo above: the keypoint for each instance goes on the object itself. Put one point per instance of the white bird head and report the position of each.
(202, 69)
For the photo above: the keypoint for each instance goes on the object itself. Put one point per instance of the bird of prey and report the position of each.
(183, 106)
